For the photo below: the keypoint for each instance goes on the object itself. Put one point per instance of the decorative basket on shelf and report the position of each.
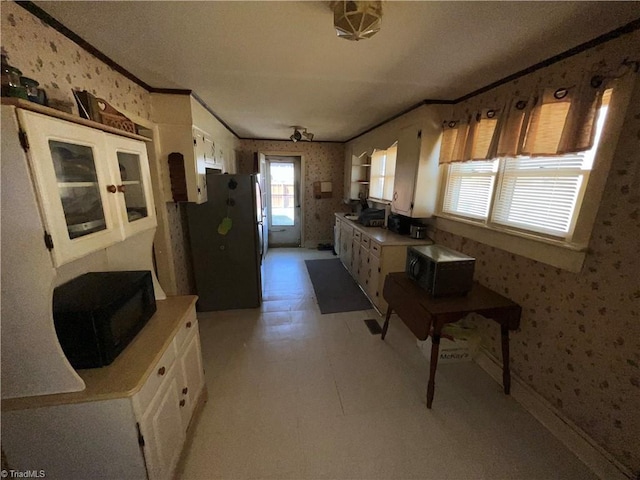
(99, 110)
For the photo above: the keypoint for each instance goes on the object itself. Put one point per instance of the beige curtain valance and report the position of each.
(553, 121)
(454, 141)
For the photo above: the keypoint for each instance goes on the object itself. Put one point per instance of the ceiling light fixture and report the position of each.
(356, 20)
(300, 133)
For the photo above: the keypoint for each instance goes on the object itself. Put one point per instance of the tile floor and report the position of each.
(294, 394)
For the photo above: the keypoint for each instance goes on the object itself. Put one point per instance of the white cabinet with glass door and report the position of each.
(93, 187)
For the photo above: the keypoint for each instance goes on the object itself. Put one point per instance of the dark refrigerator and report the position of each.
(226, 237)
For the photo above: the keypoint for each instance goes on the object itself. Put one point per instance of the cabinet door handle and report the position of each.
(121, 188)
(161, 371)
(395, 195)
(183, 402)
(189, 324)
(112, 189)
(185, 390)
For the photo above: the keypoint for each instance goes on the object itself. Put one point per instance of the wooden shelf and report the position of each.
(52, 112)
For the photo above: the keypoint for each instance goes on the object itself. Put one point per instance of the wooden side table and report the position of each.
(420, 312)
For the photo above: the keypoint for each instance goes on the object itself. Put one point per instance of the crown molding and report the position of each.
(52, 22)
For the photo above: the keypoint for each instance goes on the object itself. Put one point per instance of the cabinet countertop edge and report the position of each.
(383, 236)
(128, 373)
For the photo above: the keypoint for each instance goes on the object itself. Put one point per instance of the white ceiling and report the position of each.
(266, 66)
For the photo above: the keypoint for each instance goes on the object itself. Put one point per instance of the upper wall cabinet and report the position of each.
(414, 175)
(205, 151)
(185, 127)
(93, 187)
(416, 180)
(407, 161)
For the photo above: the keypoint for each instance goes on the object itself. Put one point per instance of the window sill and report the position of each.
(555, 253)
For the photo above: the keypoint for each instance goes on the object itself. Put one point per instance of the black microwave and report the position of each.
(96, 315)
(440, 270)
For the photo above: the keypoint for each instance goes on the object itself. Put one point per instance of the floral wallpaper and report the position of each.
(579, 341)
(178, 230)
(60, 65)
(324, 162)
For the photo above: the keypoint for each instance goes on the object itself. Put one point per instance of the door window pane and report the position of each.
(78, 188)
(282, 194)
(133, 187)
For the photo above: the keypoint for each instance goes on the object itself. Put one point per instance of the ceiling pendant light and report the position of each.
(300, 133)
(356, 20)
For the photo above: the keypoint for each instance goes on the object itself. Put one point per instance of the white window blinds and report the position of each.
(540, 193)
(469, 188)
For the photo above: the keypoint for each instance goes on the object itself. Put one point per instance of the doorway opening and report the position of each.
(283, 200)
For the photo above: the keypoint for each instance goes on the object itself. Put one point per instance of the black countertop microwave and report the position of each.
(96, 315)
(440, 270)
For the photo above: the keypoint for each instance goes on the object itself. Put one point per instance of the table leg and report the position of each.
(506, 374)
(386, 322)
(435, 351)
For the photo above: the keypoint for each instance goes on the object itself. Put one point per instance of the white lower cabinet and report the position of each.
(192, 377)
(370, 254)
(165, 418)
(373, 288)
(139, 436)
(346, 237)
(162, 430)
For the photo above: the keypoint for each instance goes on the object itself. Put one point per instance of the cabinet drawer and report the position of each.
(375, 248)
(188, 325)
(357, 234)
(160, 371)
(364, 241)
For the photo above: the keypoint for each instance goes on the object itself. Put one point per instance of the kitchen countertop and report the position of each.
(382, 235)
(129, 371)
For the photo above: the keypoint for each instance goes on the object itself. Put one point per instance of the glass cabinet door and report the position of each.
(74, 185)
(78, 188)
(132, 186)
(130, 168)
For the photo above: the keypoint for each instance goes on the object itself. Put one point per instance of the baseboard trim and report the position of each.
(573, 437)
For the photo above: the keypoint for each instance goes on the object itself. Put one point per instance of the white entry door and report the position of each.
(283, 201)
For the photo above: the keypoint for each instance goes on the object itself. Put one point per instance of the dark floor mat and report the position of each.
(336, 291)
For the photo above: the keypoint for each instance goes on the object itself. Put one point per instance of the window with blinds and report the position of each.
(540, 194)
(469, 188)
(537, 194)
(383, 169)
